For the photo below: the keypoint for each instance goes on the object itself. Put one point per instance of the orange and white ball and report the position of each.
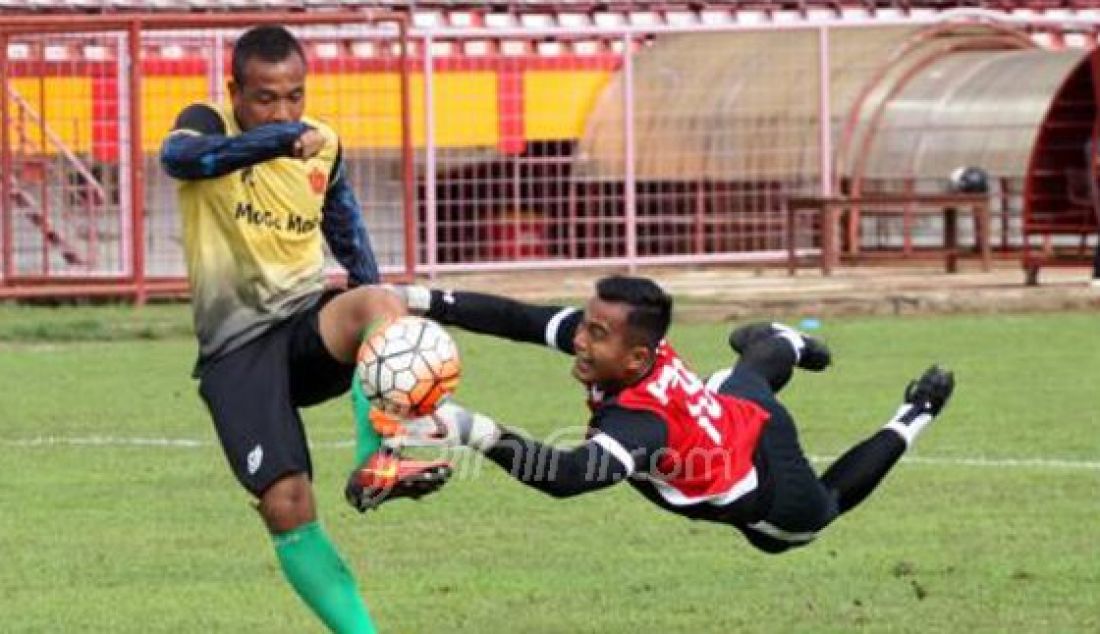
(408, 366)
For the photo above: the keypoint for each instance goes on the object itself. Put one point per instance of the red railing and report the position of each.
(58, 269)
(529, 146)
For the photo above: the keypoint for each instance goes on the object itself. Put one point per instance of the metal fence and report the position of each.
(682, 144)
(87, 209)
(481, 148)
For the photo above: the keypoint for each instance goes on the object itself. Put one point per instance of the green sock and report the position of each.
(315, 570)
(367, 439)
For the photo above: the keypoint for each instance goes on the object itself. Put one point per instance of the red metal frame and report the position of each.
(1094, 143)
(198, 65)
(1031, 261)
(137, 169)
(137, 285)
(407, 159)
(5, 163)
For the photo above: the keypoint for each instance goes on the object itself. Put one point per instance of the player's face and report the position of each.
(271, 92)
(603, 352)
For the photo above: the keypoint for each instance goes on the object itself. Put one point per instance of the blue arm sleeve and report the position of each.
(342, 224)
(198, 148)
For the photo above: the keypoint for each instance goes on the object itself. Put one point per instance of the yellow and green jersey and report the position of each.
(253, 219)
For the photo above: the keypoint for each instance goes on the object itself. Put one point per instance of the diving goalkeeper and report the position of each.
(724, 450)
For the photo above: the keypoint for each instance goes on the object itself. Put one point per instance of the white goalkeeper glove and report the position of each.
(418, 299)
(466, 428)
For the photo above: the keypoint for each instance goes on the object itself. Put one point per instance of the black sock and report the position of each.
(855, 474)
(771, 358)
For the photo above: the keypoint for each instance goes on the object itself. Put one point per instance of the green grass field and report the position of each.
(994, 527)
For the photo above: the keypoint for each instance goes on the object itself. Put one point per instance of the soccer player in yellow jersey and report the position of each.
(260, 186)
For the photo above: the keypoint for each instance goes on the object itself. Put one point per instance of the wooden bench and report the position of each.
(831, 212)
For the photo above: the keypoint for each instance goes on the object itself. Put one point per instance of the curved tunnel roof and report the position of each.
(981, 108)
(905, 103)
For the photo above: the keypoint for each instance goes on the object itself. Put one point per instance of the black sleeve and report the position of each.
(486, 314)
(199, 118)
(635, 435)
(624, 442)
(557, 472)
(344, 230)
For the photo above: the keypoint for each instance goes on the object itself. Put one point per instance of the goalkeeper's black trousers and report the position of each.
(794, 504)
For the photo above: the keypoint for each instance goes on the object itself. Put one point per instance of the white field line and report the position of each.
(193, 443)
(995, 463)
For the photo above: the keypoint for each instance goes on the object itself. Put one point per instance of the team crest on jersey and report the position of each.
(317, 181)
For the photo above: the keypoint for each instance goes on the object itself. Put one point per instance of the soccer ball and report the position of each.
(408, 367)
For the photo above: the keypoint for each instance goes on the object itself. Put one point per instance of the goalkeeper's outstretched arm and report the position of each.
(620, 443)
(560, 473)
(487, 314)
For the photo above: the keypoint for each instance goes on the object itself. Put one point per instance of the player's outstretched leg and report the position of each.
(810, 352)
(382, 475)
(855, 474)
(773, 350)
(924, 398)
(385, 476)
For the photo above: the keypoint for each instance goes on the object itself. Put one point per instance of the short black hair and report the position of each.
(269, 43)
(650, 306)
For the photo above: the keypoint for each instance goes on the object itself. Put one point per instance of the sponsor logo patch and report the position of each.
(255, 459)
(317, 181)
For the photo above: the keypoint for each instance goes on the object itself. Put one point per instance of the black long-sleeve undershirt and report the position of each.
(556, 472)
(621, 442)
(507, 318)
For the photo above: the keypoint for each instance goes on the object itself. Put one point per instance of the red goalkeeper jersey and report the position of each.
(711, 436)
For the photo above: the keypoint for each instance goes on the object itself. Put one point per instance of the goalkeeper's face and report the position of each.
(606, 353)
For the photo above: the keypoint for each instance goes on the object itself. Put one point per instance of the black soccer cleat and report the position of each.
(815, 355)
(386, 477)
(928, 394)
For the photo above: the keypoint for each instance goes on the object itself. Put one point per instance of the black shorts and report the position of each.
(254, 392)
(797, 505)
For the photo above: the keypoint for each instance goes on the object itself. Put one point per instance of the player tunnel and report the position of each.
(1062, 190)
(727, 125)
